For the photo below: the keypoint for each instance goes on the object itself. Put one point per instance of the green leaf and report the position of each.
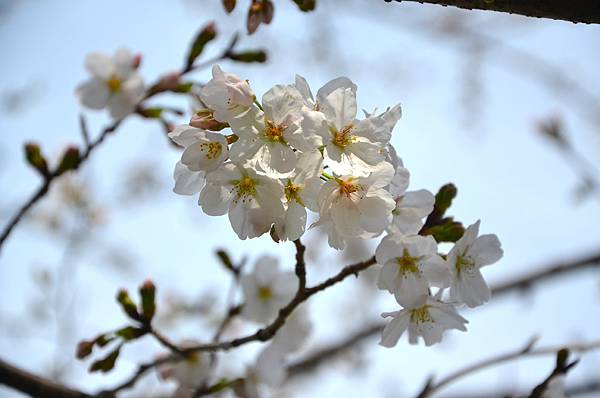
(207, 34)
(151, 113)
(444, 197)
(148, 297)
(306, 5)
(35, 158)
(106, 364)
(130, 333)
(259, 56)
(128, 305)
(221, 385)
(447, 231)
(70, 160)
(226, 261)
(443, 200)
(184, 88)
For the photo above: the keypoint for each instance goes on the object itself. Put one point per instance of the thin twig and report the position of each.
(519, 284)
(528, 351)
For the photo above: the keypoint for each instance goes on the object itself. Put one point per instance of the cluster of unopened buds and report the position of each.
(265, 163)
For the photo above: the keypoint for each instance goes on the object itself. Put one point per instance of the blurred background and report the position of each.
(505, 107)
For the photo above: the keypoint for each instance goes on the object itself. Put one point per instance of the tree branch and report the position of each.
(35, 386)
(263, 334)
(527, 351)
(586, 11)
(522, 283)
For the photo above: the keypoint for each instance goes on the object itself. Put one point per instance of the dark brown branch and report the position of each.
(586, 11)
(519, 284)
(35, 386)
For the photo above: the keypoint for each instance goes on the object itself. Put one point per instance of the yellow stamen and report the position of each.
(264, 293)
(420, 315)
(114, 84)
(274, 132)
(347, 187)
(212, 149)
(407, 264)
(342, 138)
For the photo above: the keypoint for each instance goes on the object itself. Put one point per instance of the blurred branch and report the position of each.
(585, 11)
(586, 387)
(527, 351)
(49, 179)
(33, 385)
(519, 284)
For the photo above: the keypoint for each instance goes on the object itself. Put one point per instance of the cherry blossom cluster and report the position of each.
(293, 151)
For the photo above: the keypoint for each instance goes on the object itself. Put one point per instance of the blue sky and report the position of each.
(508, 177)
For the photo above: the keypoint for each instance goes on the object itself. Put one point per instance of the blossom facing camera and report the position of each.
(266, 290)
(411, 265)
(465, 259)
(114, 84)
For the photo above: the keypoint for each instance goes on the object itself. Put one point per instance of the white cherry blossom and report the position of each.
(187, 182)
(314, 103)
(227, 95)
(270, 138)
(252, 201)
(465, 259)
(411, 208)
(427, 319)
(356, 207)
(301, 193)
(191, 372)
(411, 265)
(266, 290)
(115, 83)
(350, 145)
(204, 151)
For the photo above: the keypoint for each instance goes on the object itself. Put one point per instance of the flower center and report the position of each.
(420, 315)
(192, 358)
(245, 187)
(347, 188)
(407, 264)
(464, 263)
(292, 191)
(274, 132)
(264, 293)
(342, 138)
(212, 149)
(114, 84)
